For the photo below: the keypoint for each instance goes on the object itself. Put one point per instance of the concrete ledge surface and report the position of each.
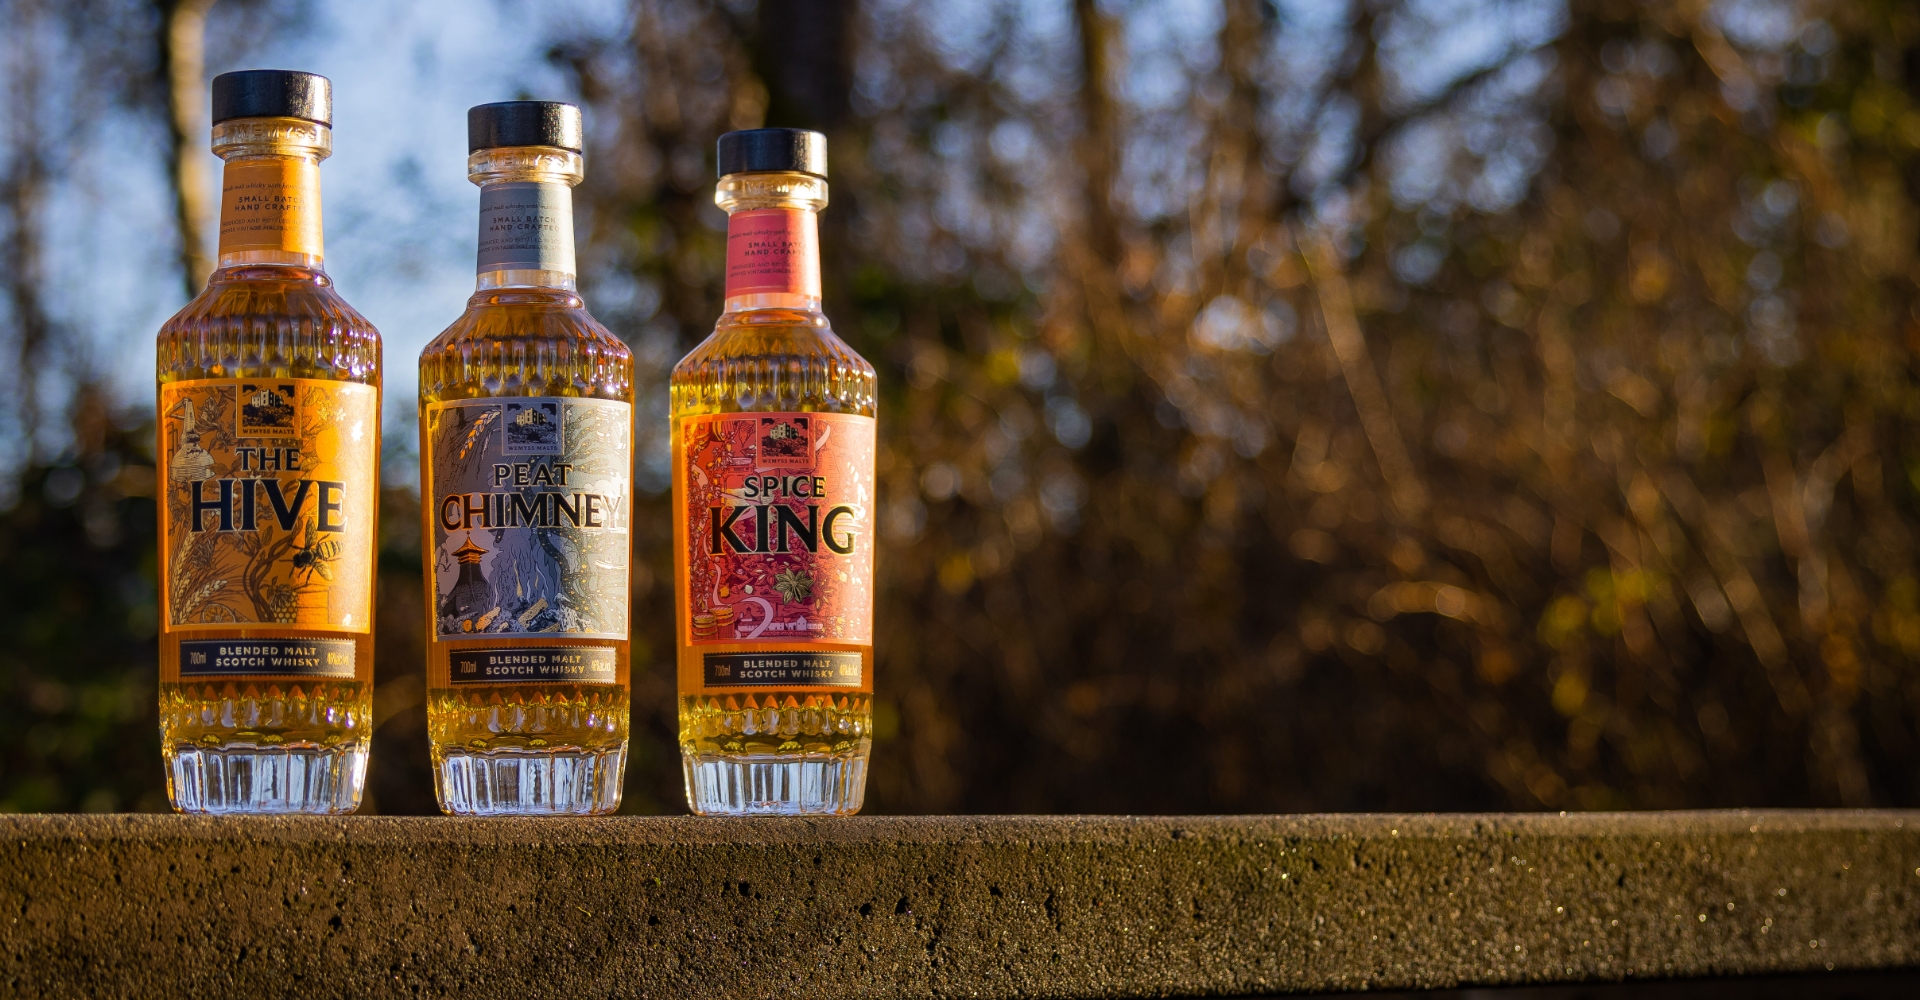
(165, 906)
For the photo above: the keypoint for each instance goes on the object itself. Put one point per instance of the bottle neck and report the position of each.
(773, 240)
(521, 277)
(270, 191)
(526, 216)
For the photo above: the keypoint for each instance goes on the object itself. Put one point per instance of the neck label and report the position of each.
(526, 226)
(271, 204)
(773, 250)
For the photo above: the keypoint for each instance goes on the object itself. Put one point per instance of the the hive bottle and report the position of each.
(526, 486)
(269, 442)
(773, 505)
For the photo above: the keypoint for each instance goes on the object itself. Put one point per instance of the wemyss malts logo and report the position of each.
(268, 410)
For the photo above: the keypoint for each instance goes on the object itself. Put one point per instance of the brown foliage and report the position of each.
(1326, 436)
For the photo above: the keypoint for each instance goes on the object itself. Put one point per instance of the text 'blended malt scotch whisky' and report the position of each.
(269, 438)
(526, 466)
(773, 507)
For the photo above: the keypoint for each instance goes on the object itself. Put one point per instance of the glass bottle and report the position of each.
(269, 437)
(526, 482)
(773, 488)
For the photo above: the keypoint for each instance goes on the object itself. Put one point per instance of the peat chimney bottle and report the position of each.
(269, 439)
(773, 505)
(526, 413)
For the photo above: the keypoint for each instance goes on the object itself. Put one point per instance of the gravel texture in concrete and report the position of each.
(172, 906)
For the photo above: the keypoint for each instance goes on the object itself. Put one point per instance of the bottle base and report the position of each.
(242, 779)
(529, 782)
(776, 784)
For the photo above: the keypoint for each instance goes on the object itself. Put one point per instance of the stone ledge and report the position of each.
(162, 906)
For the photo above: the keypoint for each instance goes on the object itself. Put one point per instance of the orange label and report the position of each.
(271, 204)
(779, 515)
(268, 499)
(773, 250)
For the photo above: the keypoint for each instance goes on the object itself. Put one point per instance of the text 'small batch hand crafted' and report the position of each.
(269, 414)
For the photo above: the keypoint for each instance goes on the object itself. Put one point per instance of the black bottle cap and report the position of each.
(759, 150)
(523, 123)
(273, 93)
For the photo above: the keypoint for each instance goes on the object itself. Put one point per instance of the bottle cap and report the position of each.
(760, 150)
(523, 123)
(273, 93)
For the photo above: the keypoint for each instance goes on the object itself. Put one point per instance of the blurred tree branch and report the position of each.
(1363, 381)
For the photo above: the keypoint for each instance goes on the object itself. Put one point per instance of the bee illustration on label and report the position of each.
(312, 556)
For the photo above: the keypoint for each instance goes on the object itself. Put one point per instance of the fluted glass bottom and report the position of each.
(244, 778)
(776, 784)
(513, 782)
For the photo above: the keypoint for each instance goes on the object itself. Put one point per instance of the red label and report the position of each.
(773, 250)
(779, 527)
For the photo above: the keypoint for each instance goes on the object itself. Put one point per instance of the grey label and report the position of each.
(526, 226)
(530, 512)
(267, 657)
(533, 665)
(783, 669)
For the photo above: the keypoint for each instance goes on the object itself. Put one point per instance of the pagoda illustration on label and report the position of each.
(529, 517)
(191, 463)
(472, 595)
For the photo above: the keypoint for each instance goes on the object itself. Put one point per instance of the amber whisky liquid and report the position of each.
(269, 437)
(525, 417)
(772, 534)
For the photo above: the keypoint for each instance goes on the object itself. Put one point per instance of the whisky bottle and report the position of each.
(269, 438)
(526, 412)
(773, 505)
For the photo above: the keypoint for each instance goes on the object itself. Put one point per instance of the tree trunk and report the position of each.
(1099, 140)
(187, 103)
(804, 54)
(802, 50)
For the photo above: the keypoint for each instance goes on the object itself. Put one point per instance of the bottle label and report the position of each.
(534, 665)
(268, 513)
(773, 250)
(526, 226)
(271, 204)
(779, 516)
(327, 658)
(781, 669)
(528, 499)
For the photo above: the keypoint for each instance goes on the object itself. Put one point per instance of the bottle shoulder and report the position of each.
(269, 321)
(773, 361)
(525, 342)
(268, 293)
(769, 334)
(507, 316)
